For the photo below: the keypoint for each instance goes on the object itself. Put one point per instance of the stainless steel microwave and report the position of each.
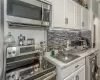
(28, 12)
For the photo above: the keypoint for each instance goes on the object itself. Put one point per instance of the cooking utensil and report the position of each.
(21, 40)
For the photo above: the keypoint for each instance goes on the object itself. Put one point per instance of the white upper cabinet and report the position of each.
(69, 14)
(58, 13)
(82, 17)
(78, 16)
(85, 18)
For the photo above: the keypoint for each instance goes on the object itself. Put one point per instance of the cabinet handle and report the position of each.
(66, 20)
(76, 66)
(82, 23)
(77, 77)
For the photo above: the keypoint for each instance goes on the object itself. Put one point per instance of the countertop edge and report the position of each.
(65, 65)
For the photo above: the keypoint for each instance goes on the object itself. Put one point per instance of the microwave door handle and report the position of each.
(51, 76)
(42, 15)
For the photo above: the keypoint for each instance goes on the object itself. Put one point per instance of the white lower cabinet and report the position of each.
(75, 71)
(71, 77)
(80, 74)
(77, 75)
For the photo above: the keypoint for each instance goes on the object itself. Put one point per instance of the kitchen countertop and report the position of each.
(65, 65)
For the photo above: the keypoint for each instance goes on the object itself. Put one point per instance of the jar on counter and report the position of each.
(43, 45)
(30, 41)
(9, 40)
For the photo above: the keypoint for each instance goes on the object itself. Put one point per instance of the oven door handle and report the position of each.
(51, 76)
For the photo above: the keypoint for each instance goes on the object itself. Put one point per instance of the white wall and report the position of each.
(99, 9)
(97, 23)
(37, 34)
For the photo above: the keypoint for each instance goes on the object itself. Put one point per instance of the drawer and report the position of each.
(69, 70)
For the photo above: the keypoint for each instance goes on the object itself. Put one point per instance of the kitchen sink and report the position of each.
(66, 58)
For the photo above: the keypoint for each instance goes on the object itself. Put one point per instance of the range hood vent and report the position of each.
(14, 24)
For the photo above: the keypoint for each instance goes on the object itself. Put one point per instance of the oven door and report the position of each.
(27, 12)
(48, 76)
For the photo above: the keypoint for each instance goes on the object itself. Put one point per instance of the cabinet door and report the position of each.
(78, 16)
(80, 74)
(85, 18)
(70, 77)
(77, 75)
(58, 12)
(70, 13)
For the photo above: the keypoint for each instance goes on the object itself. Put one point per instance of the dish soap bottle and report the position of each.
(52, 53)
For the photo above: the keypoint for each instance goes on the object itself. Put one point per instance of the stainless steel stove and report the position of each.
(22, 67)
(47, 71)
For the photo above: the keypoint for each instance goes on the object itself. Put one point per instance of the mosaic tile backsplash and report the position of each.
(57, 38)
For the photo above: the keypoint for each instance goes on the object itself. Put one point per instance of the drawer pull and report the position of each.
(77, 77)
(77, 66)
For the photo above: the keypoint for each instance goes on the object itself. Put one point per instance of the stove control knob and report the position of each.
(13, 52)
(13, 76)
(9, 53)
(8, 78)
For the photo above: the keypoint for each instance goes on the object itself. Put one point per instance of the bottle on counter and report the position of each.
(9, 40)
(52, 53)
